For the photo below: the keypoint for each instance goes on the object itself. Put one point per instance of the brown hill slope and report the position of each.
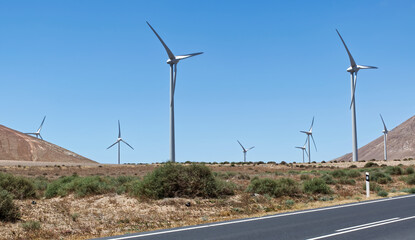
(401, 144)
(18, 146)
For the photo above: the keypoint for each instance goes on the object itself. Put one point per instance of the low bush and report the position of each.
(275, 188)
(353, 174)
(9, 212)
(353, 166)
(174, 180)
(346, 181)
(395, 170)
(20, 187)
(382, 193)
(328, 179)
(304, 177)
(410, 170)
(380, 177)
(410, 179)
(338, 173)
(316, 185)
(371, 164)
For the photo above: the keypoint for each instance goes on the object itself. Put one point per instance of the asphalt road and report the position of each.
(391, 218)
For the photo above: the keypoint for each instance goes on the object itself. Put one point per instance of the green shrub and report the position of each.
(410, 170)
(289, 203)
(395, 170)
(409, 190)
(20, 187)
(353, 166)
(347, 181)
(31, 226)
(382, 193)
(373, 187)
(380, 177)
(328, 179)
(410, 179)
(338, 173)
(275, 188)
(353, 174)
(174, 180)
(8, 211)
(316, 185)
(371, 164)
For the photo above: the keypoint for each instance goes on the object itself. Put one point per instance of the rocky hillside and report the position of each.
(401, 144)
(18, 146)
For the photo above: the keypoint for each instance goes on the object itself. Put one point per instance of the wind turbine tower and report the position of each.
(353, 69)
(37, 133)
(244, 150)
(172, 61)
(310, 133)
(385, 138)
(119, 140)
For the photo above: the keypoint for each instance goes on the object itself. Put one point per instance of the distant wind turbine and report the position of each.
(172, 61)
(310, 133)
(353, 69)
(304, 149)
(37, 133)
(119, 140)
(244, 150)
(385, 138)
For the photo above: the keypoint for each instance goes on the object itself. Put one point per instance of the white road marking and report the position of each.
(256, 219)
(362, 228)
(363, 225)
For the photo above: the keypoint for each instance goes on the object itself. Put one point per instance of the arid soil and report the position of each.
(111, 214)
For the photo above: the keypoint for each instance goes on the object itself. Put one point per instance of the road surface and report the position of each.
(389, 218)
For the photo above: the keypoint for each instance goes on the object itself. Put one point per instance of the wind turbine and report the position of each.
(37, 133)
(385, 137)
(304, 149)
(353, 69)
(310, 133)
(172, 61)
(244, 150)
(119, 140)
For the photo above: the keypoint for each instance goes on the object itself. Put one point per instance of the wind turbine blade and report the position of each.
(41, 125)
(249, 148)
(169, 53)
(119, 129)
(174, 79)
(312, 123)
(384, 125)
(352, 62)
(40, 136)
(304, 132)
(112, 145)
(127, 144)
(180, 57)
(366, 67)
(314, 142)
(241, 145)
(354, 88)
(299, 147)
(306, 151)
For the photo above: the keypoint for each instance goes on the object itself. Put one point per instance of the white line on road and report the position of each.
(357, 229)
(140, 235)
(363, 225)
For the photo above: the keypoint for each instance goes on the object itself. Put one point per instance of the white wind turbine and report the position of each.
(310, 133)
(353, 69)
(119, 140)
(37, 133)
(172, 61)
(304, 149)
(244, 150)
(385, 138)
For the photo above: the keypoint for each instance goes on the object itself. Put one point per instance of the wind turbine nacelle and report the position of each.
(172, 61)
(351, 69)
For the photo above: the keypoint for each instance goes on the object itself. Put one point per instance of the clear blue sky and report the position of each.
(268, 68)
